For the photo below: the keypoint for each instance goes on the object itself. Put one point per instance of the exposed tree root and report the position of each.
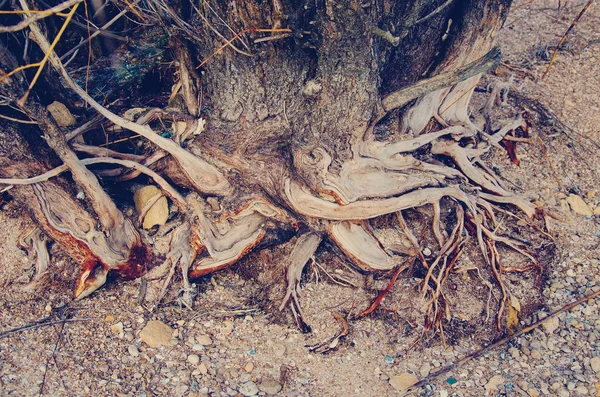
(305, 247)
(332, 194)
(34, 242)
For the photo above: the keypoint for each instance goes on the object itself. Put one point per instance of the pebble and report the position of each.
(204, 340)
(133, 350)
(562, 392)
(249, 389)
(494, 382)
(550, 325)
(117, 328)
(595, 364)
(424, 370)
(249, 367)
(403, 381)
(533, 393)
(202, 368)
(270, 386)
(157, 333)
(278, 350)
(193, 359)
(579, 206)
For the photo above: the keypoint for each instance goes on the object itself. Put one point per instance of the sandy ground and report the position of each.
(234, 343)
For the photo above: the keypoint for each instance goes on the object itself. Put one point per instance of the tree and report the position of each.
(319, 119)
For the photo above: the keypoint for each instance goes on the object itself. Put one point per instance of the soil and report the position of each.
(99, 351)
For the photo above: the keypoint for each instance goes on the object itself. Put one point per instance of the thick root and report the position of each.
(303, 251)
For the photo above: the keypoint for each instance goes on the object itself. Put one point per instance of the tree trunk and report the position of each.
(340, 113)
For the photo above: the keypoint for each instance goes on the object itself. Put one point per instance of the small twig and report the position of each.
(502, 341)
(384, 292)
(36, 15)
(53, 356)
(40, 65)
(215, 31)
(433, 13)
(119, 140)
(271, 38)
(564, 37)
(17, 120)
(97, 32)
(41, 323)
(251, 30)
(83, 128)
(164, 185)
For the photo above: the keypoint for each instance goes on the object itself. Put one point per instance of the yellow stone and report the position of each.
(61, 114)
(533, 393)
(157, 333)
(403, 381)
(158, 213)
(579, 206)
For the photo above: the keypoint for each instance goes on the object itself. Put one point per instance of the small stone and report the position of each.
(562, 392)
(109, 318)
(270, 386)
(443, 393)
(133, 350)
(578, 205)
(494, 382)
(279, 350)
(595, 364)
(555, 386)
(550, 325)
(157, 333)
(426, 252)
(249, 367)
(403, 381)
(193, 359)
(117, 329)
(248, 389)
(424, 370)
(158, 212)
(533, 393)
(204, 340)
(202, 368)
(581, 390)
(61, 114)
(535, 354)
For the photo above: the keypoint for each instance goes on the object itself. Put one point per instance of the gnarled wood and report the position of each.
(361, 246)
